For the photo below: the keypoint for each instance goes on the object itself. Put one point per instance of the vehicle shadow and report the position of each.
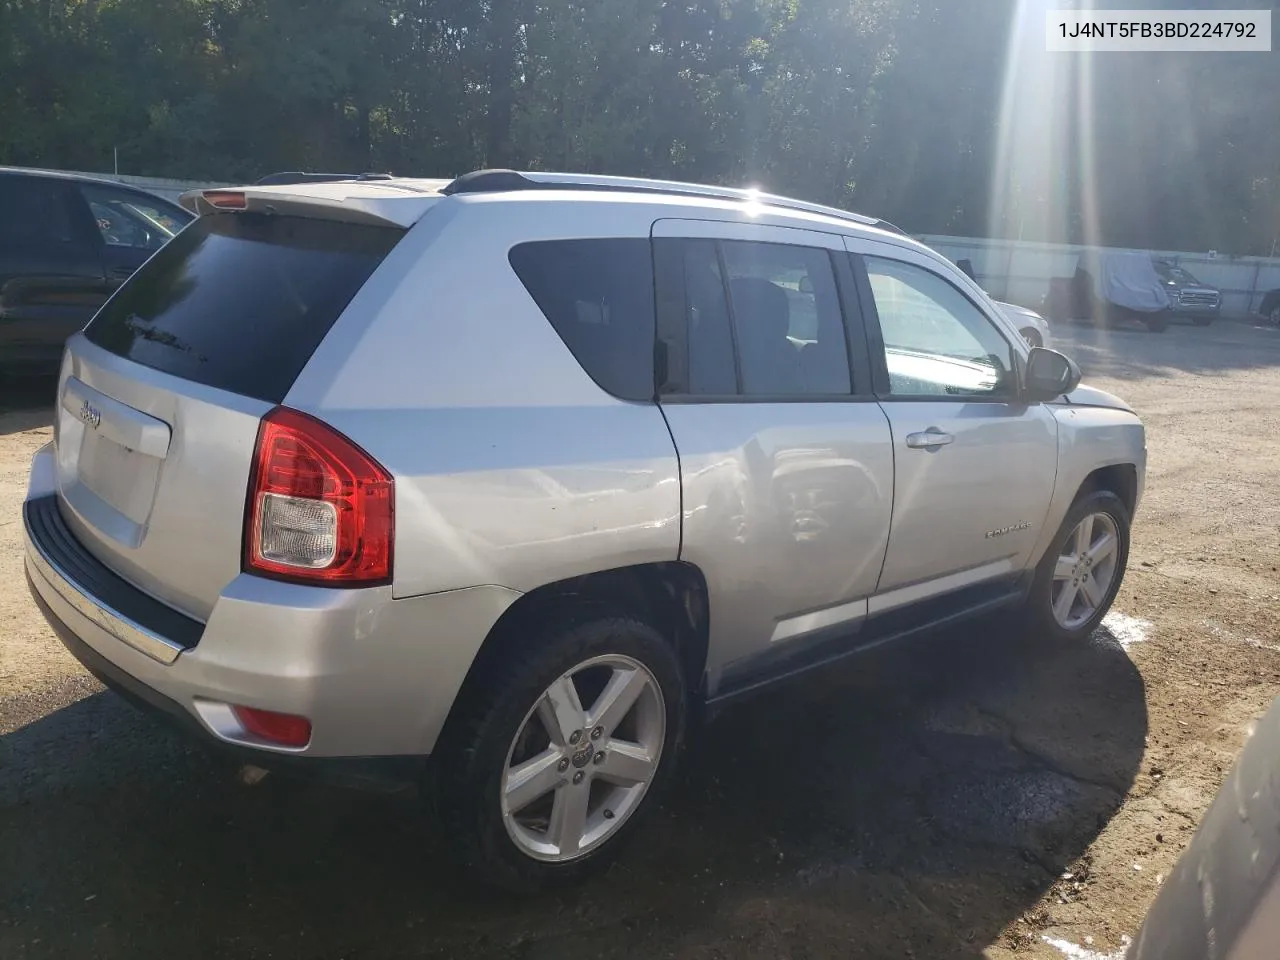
(914, 802)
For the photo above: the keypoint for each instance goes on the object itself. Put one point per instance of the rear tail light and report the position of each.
(320, 509)
(284, 729)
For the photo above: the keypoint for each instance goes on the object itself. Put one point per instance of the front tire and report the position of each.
(1078, 578)
(1157, 323)
(557, 753)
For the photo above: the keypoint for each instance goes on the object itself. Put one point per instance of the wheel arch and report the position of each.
(1119, 478)
(671, 596)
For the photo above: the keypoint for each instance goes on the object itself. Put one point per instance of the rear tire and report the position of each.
(527, 808)
(1089, 576)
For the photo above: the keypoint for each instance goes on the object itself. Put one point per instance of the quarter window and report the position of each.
(936, 342)
(598, 295)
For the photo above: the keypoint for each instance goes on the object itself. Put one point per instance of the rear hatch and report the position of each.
(162, 395)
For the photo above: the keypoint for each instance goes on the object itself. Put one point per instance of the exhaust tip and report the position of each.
(250, 776)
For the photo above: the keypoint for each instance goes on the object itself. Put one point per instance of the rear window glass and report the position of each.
(241, 301)
(598, 294)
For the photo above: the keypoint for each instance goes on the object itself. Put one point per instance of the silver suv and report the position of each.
(515, 470)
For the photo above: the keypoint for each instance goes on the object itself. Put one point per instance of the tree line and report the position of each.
(944, 116)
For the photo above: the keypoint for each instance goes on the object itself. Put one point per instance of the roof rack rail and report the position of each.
(497, 181)
(297, 176)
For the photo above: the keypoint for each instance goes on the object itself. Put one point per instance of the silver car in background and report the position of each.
(1033, 327)
(488, 482)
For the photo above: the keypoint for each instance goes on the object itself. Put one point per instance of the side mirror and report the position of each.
(1049, 375)
(805, 285)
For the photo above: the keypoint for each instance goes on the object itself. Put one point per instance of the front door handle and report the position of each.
(929, 439)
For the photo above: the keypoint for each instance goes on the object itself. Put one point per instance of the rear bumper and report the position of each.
(343, 771)
(375, 676)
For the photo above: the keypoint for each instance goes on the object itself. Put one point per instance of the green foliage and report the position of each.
(926, 112)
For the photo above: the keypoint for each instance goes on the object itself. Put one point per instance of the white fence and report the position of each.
(1019, 271)
(161, 186)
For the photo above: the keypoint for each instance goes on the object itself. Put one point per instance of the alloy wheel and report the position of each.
(575, 774)
(1085, 570)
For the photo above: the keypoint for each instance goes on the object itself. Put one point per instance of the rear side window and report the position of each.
(786, 312)
(750, 319)
(241, 301)
(37, 211)
(598, 295)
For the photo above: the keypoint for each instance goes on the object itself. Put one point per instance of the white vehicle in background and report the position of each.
(1033, 327)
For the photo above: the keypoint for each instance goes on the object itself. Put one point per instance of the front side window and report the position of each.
(936, 342)
(128, 219)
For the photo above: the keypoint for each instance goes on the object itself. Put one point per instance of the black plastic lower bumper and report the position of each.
(54, 539)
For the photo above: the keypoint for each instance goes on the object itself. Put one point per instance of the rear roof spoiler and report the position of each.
(298, 176)
(381, 203)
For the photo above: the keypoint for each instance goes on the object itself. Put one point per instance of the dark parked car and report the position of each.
(1188, 297)
(1271, 306)
(67, 242)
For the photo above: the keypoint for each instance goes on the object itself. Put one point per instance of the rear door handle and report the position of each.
(928, 439)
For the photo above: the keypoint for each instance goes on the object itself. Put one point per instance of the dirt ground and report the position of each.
(962, 796)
